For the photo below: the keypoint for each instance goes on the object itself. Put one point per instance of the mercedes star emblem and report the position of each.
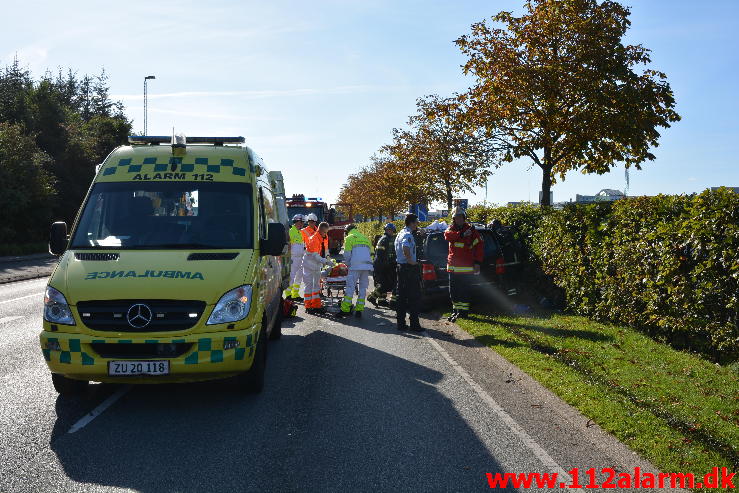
(139, 316)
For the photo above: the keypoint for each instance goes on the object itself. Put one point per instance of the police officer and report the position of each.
(409, 276)
(385, 269)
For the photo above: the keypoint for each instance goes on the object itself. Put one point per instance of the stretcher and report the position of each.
(333, 286)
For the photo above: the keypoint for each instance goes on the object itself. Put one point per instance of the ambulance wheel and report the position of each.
(277, 327)
(253, 380)
(67, 386)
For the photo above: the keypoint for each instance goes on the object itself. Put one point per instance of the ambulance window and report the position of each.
(166, 215)
(269, 205)
(262, 219)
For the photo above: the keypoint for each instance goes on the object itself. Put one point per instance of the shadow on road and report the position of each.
(335, 416)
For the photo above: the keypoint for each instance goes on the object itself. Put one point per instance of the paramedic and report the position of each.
(409, 276)
(313, 261)
(358, 258)
(463, 262)
(297, 250)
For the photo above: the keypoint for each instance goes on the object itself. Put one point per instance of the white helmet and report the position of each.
(298, 217)
(312, 217)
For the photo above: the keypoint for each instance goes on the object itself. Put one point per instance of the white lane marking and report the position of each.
(22, 298)
(9, 319)
(99, 409)
(506, 418)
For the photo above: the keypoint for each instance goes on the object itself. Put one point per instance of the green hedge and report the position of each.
(668, 265)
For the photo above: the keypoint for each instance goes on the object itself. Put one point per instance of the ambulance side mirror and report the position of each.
(58, 238)
(276, 240)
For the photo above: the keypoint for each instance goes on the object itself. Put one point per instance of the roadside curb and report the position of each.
(25, 277)
(22, 258)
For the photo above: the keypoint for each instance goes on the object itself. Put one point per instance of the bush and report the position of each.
(667, 265)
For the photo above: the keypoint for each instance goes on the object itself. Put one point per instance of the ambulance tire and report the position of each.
(253, 380)
(277, 327)
(67, 386)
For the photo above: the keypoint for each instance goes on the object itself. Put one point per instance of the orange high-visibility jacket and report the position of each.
(464, 252)
(315, 251)
(308, 233)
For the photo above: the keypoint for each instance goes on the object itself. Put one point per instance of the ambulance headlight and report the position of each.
(232, 307)
(56, 309)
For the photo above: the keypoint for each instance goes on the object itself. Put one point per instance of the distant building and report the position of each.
(438, 214)
(605, 195)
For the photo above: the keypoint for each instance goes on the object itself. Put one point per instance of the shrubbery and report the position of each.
(53, 131)
(668, 265)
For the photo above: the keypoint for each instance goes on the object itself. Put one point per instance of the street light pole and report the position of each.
(146, 104)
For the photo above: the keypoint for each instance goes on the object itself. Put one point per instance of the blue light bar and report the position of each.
(167, 139)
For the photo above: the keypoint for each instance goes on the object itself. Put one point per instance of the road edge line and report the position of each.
(86, 419)
(506, 418)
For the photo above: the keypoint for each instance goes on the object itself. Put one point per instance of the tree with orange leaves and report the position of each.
(560, 88)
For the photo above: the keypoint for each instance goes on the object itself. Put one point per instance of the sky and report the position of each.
(316, 87)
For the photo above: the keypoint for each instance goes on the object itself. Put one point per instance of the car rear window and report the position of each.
(437, 248)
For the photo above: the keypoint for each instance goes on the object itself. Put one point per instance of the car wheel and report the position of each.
(68, 386)
(253, 380)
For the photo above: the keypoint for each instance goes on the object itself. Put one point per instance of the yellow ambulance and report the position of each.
(172, 271)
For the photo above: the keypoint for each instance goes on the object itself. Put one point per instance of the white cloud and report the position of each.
(32, 56)
(258, 94)
(134, 110)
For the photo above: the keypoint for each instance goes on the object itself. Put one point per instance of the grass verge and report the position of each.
(676, 409)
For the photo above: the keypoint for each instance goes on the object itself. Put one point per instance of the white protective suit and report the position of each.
(312, 265)
(358, 257)
(297, 250)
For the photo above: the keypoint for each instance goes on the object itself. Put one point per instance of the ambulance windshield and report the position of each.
(167, 215)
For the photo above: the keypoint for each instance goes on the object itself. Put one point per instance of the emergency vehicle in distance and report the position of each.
(172, 271)
(337, 216)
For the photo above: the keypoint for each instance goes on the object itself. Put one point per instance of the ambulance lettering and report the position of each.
(170, 274)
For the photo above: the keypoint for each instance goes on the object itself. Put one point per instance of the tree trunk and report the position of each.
(449, 199)
(546, 186)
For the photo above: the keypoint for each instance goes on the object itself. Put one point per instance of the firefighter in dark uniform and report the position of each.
(385, 274)
(465, 256)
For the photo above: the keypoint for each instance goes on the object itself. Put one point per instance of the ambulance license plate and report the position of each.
(134, 368)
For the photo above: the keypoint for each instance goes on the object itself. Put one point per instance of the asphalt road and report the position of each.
(352, 406)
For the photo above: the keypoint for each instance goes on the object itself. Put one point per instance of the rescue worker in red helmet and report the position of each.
(463, 262)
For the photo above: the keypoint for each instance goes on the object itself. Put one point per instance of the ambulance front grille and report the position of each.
(141, 350)
(163, 315)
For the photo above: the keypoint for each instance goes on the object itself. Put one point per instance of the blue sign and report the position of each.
(462, 203)
(420, 210)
